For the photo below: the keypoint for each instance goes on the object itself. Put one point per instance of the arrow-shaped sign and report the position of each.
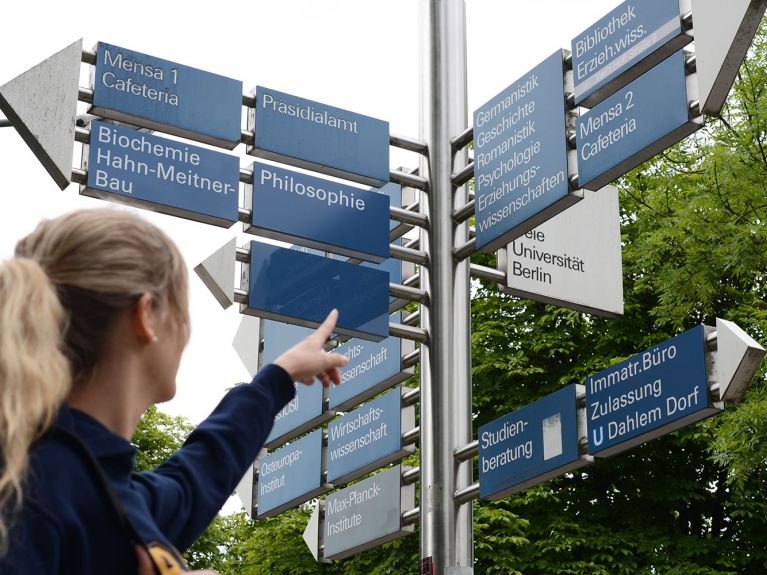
(738, 358)
(723, 32)
(247, 342)
(276, 285)
(312, 533)
(41, 104)
(217, 273)
(669, 386)
(244, 491)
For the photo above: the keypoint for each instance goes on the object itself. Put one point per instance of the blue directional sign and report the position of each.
(394, 191)
(366, 514)
(520, 158)
(319, 137)
(373, 367)
(162, 95)
(650, 394)
(634, 124)
(291, 475)
(368, 437)
(318, 213)
(623, 45)
(304, 411)
(530, 445)
(391, 266)
(298, 288)
(162, 175)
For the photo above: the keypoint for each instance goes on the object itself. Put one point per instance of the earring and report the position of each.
(155, 339)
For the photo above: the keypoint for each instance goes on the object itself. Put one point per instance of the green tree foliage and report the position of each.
(157, 437)
(693, 250)
(691, 503)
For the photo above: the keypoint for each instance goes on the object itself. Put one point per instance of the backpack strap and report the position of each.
(98, 472)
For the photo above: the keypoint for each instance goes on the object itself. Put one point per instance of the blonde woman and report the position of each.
(93, 320)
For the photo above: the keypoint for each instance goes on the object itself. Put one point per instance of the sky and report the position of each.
(353, 54)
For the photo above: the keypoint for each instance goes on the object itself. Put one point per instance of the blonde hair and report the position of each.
(34, 373)
(59, 298)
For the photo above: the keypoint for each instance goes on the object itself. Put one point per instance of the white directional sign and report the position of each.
(737, 359)
(723, 33)
(572, 260)
(41, 104)
(217, 273)
(247, 342)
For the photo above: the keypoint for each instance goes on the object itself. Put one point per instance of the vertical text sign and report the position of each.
(520, 159)
(162, 95)
(627, 42)
(649, 394)
(290, 476)
(530, 445)
(162, 175)
(318, 137)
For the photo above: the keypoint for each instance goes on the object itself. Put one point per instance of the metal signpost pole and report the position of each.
(446, 525)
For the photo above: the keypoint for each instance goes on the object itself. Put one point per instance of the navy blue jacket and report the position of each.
(66, 525)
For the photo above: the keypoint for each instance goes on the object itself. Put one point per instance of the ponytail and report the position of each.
(34, 373)
(72, 278)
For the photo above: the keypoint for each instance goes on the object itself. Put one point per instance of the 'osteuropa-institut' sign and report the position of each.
(291, 475)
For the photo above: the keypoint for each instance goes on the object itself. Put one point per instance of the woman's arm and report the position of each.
(185, 493)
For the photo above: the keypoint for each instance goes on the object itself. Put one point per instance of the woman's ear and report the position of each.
(144, 319)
